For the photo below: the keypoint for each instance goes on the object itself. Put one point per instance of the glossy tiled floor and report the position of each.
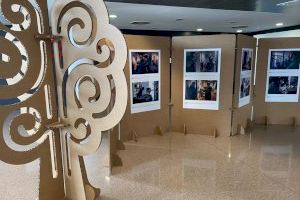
(264, 165)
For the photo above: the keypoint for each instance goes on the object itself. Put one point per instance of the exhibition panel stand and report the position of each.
(277, 82)
(148, 77)
(202, 84)
(244, 81)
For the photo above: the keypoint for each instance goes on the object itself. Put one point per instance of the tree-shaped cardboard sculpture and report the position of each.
(27, 93)
(87, 77)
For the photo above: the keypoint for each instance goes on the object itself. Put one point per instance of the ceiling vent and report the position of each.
(139, 23)
(239, 26)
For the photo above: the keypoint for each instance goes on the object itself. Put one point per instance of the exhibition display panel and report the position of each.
(148, 76)
(277, 82)
(202, 82)
(243, 90)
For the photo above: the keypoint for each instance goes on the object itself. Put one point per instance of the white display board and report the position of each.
(246, 77)
(145, 69)
(201, 78)
(283, 75)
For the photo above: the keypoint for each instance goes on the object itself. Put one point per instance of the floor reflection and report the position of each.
(263, 165)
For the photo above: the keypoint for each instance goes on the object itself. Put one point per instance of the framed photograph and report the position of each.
(284, 59)
(283, 89)
(201, 81)
(144, 62)
(144, 66)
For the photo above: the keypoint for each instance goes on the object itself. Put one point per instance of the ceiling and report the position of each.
(276, 6)
(210, 20)
(210, 15)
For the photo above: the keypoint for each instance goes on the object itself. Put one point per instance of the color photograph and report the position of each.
(247, 55)
(284, 60)
(283, 85)
(201, 90)
(144, 92)
(145, 62)
(202, 61)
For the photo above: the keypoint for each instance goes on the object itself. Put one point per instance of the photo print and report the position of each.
(245, 87)
(247, 56)
(283, 89)
(201, 78)
(143, 62)
(144, 80)
(202, 61)
(143, 92)
(283, 85)
(283, 75)
(245, 77)
(284, 59)
(201, 90)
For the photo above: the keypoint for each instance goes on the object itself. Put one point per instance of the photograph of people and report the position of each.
(245, 87)
(202, 61)
(145, 62)
(207, 90)
(283, 85)
(201, 90)
(247, 60)
(191, 90)
(145, 92)
(285, 60)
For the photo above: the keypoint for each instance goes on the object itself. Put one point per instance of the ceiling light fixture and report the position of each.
(199, 29)
(279, 24)
(287, 3)
(113, 16)
(239, 31)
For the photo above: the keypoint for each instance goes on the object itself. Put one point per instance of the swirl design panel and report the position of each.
(26, 93)
(91, 83)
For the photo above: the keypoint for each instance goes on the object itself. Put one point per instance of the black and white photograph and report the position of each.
(201, 90)
(145, 62)
(283, 85)
(202, 61)
(247, 55)
(287, 59)
(245, 87)
(144, 92)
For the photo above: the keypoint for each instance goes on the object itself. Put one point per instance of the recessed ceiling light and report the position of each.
(113, 16)
(239, 31)
(279, 24)
(199, 29)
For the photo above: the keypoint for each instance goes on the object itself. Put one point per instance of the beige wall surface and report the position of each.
(277, 113)
(203, 121)
(144, 123)
(241, 115)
